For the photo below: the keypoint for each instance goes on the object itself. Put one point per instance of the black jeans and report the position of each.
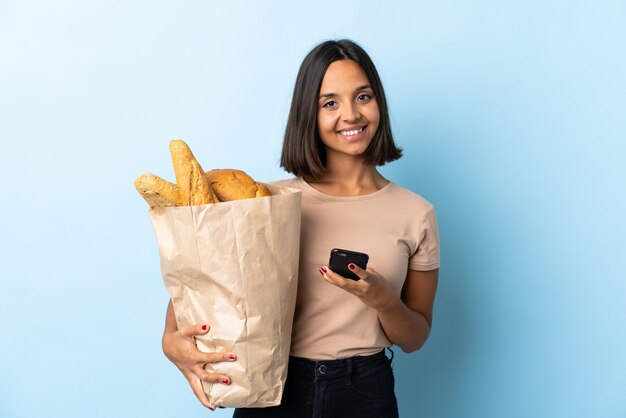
(353, 387)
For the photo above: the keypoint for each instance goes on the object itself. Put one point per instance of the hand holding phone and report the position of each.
(339, 260)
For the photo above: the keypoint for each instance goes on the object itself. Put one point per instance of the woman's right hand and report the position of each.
(180, 348)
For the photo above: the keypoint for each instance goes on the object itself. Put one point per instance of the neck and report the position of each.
(348, 172)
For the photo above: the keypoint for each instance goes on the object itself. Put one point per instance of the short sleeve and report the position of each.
(426, 257)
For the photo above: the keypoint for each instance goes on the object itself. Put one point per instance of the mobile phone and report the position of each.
(339, 260)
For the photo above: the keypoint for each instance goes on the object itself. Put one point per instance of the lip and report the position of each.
(352, 128)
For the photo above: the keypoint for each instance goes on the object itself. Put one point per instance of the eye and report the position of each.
(329, 104)
(364, 97)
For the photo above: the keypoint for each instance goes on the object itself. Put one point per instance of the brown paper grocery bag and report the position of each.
(234, 265)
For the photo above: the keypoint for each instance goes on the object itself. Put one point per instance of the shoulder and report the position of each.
(293, 183)
(290, 182)
(407, 199)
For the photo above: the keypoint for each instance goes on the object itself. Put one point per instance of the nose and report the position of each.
(351, 113)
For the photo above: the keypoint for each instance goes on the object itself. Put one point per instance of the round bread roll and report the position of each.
(230, 184)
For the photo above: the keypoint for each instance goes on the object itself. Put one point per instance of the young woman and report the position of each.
(338, 132)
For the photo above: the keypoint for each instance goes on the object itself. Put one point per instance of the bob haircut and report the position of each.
(304, 153)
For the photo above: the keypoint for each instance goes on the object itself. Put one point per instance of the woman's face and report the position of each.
(348, 115)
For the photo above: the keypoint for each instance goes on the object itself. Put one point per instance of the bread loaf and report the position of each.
(193, 185)
(230, 184)
(156, 191)
(262, 190)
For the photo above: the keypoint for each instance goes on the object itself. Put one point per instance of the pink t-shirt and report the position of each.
(394, 226)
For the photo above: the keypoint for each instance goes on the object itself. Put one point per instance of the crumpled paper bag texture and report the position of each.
(234, 265)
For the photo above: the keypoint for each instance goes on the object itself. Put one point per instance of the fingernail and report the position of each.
(225, 381)
(351, 266)
(212, 409)
(203, 327)
(232, 357)
(321, 272)
(324, 269)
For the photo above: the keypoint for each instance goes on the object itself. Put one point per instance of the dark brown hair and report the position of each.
(304, 153)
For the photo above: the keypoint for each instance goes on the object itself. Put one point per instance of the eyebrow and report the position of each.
(363, 87)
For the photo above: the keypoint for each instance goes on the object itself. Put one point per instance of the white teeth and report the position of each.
(350, 133)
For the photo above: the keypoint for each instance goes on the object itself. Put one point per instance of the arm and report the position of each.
(180, 348)
(406, 319)
(170, 320)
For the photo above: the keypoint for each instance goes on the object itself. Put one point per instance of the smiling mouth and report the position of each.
(352, 132)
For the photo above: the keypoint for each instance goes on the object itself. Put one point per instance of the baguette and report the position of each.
(193, 185)
(156, 191)
(230, 184)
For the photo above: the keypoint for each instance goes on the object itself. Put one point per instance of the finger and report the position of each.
(337, 279)
(213, 377)
(201, 357)
(371, 271)
(196, 387)
(190, 331)
(358, 271)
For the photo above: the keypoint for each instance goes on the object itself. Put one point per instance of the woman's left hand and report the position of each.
(372, 289)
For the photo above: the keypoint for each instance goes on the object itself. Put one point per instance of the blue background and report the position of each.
(511, 116)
